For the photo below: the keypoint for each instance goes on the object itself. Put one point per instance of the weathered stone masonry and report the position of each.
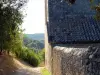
(76, 60)
(72, 38)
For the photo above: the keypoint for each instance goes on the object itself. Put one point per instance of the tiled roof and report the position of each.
(72, 23)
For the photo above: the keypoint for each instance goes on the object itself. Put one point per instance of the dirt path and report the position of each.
(25, 69)
(34, 71)
(12, 66)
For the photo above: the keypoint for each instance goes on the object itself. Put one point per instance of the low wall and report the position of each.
(76, 60)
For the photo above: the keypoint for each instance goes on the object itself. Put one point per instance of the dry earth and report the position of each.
(12, 66)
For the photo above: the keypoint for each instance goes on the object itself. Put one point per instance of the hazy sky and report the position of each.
(35, 20)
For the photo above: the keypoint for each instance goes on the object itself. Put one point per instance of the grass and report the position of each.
(42, 64)
(44, 71)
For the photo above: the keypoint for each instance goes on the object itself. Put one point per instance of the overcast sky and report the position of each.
(35, 20)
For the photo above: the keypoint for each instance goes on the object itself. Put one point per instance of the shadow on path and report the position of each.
(25, 72)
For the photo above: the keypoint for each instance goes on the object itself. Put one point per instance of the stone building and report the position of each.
(72, 38)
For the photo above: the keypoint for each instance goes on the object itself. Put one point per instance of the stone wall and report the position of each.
(76, 59)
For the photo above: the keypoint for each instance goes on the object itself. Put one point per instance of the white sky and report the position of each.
(35, 20)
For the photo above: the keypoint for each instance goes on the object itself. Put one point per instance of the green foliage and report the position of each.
(34, 44)
(41, 55)
(96, 7)
(10, 20)
(11, 38)
(17, 4)
(44, 71)
(28, 56)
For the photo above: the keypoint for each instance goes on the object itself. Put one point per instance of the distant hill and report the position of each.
(39, 36)
(34, 41)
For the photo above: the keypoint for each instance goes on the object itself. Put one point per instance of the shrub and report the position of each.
(41, 55)
(28, 56)
(32, 58)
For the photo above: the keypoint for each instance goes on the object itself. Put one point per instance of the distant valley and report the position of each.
(34, 41)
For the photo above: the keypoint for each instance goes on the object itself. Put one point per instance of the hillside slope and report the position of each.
(34, 44)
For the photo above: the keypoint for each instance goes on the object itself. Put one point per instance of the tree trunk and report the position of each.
(1, 48)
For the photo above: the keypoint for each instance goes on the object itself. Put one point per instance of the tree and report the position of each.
(96, 7)
(10, 20)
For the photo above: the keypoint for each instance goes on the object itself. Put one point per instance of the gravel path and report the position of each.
(29, 71)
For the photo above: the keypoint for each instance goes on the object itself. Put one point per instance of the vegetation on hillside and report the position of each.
(11, 33)
(34, 44)
(34, 48)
